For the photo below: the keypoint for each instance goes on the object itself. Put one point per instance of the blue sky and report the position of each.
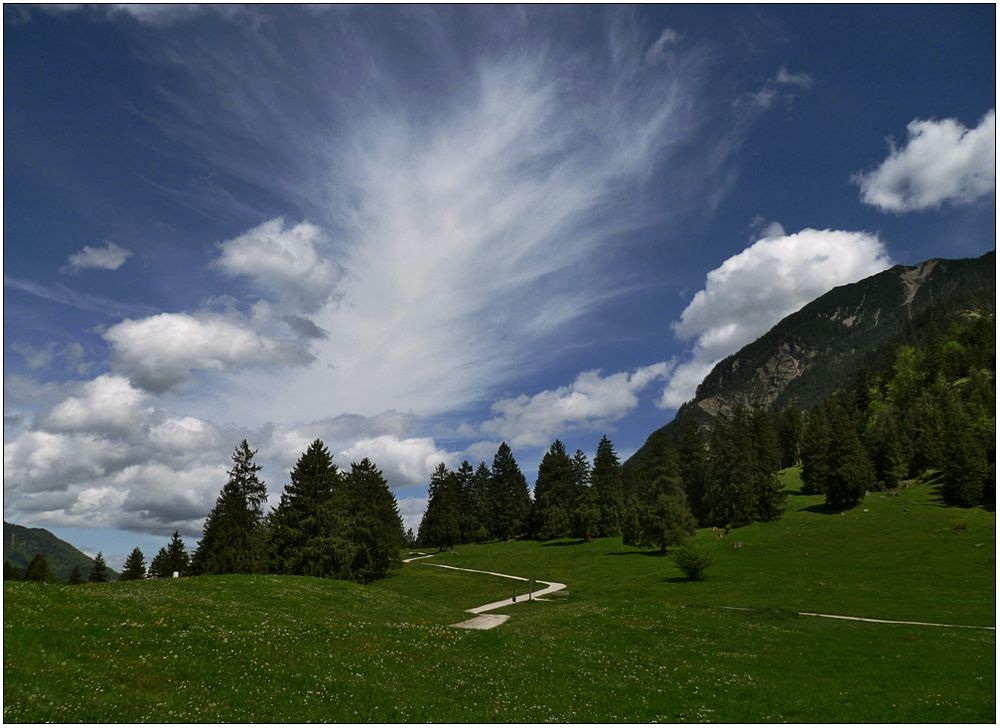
(415, 232)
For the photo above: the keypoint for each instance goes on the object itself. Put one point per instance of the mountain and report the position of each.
(20, 544)
(815, 351)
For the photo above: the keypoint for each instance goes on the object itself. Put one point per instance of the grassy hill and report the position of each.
(633, 642)
(21, 544)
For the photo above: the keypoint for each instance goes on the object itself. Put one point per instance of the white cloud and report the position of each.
(786, 78)
(941, 162)
(407, 461)
(465, 235)
(285, 262)
(752, 291)
(159, 352)
(110, 257)
(591, 402)
(106, 404)
(668, 37)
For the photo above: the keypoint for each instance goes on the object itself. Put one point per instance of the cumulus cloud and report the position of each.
(106, 404)
(160, 352)
(591, 402)
(941, 162)
(753, 290)
(110, 257)
(286, 262)
(408, 461)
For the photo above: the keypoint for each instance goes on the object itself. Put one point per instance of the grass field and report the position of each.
(633, 642)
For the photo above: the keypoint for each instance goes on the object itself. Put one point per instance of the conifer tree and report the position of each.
(665, 519)
(134, 567)
(233, 538)
(509, 501)
(581, 469)
(789, 427)
(75, 576)
(440, 526)
(606, 485)
(481, 493)
(157, 567)
(965, 468)
(769, 499)
(850, 471)
(730, 497)
(302, 514)
(815, 452)
(373, 521)
(99, 572)
(38, 569)
(693, 463)
(10, 572)
(555, 494)
(468, 517)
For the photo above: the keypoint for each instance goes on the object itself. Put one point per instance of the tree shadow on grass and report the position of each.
(824, 508)
(682, 580)
(635, 553)
(577, 542)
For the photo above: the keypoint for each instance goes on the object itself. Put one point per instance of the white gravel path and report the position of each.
(489, 621)
(871, 619)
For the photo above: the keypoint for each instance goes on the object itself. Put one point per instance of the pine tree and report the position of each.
(555, 494)
(301, 515)
(157, 567)
(769, 499)
(480, 493)
(606, 485)
(509, 499)
(789, 427)
(99, 572)
(10, 572)
(693, 462)
(176, 557)
(75, 576)
(730, 497)
(373, 522)
(134, 567)
(38, 569)
(440, 526)
(233, 538)
(666, 520)
(815, 452)
(468, 516)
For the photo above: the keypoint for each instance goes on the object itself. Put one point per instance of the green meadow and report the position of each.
(632, 641)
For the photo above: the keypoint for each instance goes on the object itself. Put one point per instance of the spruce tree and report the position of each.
(373, 522)
(769, 499)
(815, 452)
(850, 471)
(38, 569)
(693, 463)
(481, 493)
(730, 497)
(75, 576)
(555, 494)
(10, 572)
(789, 427)
(509, 501)
(134, 567)
(665, 519)
(301, 515)
(440, 526)
(964, 467)
(157, 567)
(469, 525)
(175, 558)
(233, 538)
(99, 572)
(606, 486)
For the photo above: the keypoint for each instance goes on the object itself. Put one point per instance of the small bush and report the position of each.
(692, 559)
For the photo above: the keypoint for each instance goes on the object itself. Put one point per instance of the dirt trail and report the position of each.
(489, 621)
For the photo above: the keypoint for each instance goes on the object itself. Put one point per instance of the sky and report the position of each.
(416, 232)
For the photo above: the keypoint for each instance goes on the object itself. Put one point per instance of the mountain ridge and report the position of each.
(817, 349)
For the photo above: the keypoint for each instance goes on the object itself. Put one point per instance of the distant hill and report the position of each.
(820, 348)
(20, 544)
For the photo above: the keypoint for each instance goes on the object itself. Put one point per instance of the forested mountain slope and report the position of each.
(819, 349)
(21, 545)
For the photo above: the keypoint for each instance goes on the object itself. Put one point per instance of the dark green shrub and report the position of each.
(692, 558)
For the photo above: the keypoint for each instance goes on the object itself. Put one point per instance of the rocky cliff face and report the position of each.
(816, 350)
